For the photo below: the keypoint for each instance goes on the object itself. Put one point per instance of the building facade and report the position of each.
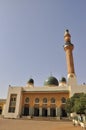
(36, 101)
(46, 101)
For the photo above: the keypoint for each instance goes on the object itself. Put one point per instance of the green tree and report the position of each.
(77, 103)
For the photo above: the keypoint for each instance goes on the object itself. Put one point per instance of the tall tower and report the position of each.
(68, 47)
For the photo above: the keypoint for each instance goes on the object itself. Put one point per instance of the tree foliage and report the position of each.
(77, 103)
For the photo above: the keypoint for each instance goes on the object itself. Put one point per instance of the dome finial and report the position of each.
(67, 36)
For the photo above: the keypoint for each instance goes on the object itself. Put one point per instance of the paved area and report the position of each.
(14, 124)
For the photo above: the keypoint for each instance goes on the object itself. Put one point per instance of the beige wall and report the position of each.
(74, 87)
(13, 90)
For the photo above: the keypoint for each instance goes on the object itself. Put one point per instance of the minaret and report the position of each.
(71, 77)
(68, 47)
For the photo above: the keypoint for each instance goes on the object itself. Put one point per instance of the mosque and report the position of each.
(46, 101)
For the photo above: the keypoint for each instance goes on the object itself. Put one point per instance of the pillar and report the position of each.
(48, 111)
(31, 111)
(40, 111)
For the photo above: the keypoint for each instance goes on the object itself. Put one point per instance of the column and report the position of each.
(40, 111)
(31, 111)
(56, 111)
(48, 111)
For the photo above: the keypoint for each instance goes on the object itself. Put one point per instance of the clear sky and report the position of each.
(31, 40)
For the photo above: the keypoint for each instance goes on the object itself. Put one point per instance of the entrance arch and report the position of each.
(36, 111)
(63, 111)
(44, 112)
(0, 110)
(26, 110)
(53, 112)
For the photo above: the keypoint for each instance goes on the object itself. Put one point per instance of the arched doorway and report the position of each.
(44, 112)
(63, 111)
(0, 110)
(26, 110)
(52, 112)
(36, 111)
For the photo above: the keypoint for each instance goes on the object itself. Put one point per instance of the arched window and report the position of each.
(27, 100)
(37, 100)
(63, 100)
(52, 100)
(44, 100)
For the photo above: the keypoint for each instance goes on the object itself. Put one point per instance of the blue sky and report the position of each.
(31, 40)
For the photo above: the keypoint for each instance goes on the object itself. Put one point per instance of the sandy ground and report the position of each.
(12, 124)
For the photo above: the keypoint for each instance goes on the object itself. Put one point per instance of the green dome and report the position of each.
(51, 81)
(30, 81)
(63, 79)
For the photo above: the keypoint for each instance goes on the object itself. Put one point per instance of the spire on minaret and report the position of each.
(67, 36)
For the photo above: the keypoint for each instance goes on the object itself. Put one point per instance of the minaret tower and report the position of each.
(71, 77)
(68, 47)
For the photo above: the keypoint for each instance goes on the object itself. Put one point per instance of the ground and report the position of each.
(15, 124)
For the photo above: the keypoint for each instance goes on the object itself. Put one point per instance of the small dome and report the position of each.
(30, 81)
(51, 81)
(63, 79)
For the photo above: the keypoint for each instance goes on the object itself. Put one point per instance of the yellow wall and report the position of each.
(32, 97)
